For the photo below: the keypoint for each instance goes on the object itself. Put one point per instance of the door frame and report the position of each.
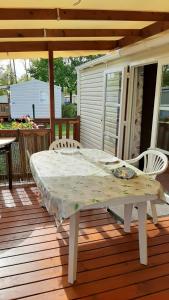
(133, 98)
(122, 106)
(154, 132)
(128, 100)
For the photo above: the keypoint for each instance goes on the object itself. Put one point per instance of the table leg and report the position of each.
(154, 212)
(73, 247)
(127, 216)
(9, 166)
(142, 217)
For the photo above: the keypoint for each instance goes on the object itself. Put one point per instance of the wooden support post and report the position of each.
(52, 96)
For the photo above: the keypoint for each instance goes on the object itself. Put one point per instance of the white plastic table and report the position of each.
(71, 180)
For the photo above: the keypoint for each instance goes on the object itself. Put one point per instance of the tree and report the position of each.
(38, 69)
(64, 71)
(13, 69)
(7, 75)
(71, 76)
(26, 75)
(165, 76)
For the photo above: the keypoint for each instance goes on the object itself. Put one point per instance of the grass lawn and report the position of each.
(63, 130)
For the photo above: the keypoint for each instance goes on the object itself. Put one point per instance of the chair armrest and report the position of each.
(132, 161)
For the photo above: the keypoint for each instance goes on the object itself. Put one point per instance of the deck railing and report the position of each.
(27, 141)
(31, 141)
(65, 127)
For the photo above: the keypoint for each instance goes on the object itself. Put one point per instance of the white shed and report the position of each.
(23, 95)
(123, 99)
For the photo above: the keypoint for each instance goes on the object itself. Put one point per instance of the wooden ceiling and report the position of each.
(23, 38)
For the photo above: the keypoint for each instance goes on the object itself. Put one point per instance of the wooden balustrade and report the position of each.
(27, 140)
(65, 127)
(34, 140)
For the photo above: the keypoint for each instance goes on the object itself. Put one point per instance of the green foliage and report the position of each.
(7, 75)
(39, 69)
(64, 71)
(23, 78)
(16, 125)
(3, 92)
(69, 110)
(165, 76)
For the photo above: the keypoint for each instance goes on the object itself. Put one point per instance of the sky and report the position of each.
(19, 66)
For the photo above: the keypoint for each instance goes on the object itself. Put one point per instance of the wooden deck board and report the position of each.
(33, 255)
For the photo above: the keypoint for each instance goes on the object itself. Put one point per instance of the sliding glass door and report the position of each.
(114, 110)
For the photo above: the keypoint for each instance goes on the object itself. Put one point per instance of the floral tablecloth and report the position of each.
(71, 181)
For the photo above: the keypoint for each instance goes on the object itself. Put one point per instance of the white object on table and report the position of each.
(109, 160)
(71, 182)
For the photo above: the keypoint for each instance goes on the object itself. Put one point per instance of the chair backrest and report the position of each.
(155, 162)
(64, 143)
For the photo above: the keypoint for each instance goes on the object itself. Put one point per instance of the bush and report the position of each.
(23, 123)
(69, 110)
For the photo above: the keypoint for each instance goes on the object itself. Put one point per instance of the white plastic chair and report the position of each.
(155, 163)
(64, 143)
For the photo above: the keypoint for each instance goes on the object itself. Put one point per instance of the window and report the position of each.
(163, 119)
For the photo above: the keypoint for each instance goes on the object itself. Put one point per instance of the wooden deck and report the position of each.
(33, 256)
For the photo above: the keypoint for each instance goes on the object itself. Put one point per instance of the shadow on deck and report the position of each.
(33, 256)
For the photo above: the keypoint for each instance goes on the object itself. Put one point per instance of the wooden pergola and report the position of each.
(77, 28)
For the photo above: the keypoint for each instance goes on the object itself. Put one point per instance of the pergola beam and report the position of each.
(113, 15)
(23, 46)
(74, 14)
(21, 33)
(146, 32)
(56, 46)
(129, 36)
(153, 29)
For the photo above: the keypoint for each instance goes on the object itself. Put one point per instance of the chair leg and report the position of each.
(127, 216)
(142, 213)
(154, 212)
(41, 200)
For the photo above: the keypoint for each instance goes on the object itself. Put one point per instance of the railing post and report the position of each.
(76, 134)
(52, 96)
(78, 131)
